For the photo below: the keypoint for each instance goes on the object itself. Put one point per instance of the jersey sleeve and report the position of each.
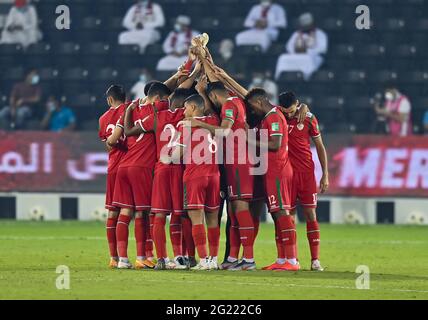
(229, 112)
(101, 133)
(274, 125)
(314, 129)
(121, 122)
(148, 123)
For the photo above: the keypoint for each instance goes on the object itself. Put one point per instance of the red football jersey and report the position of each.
(107, 124)
(142, 149)
(200, 149)
(300, 142)
(275, 124)
(163, 124)
(234, 110)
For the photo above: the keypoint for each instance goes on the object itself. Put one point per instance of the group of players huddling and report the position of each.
(183, 151)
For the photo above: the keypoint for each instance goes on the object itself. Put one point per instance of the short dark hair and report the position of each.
(158, 89)
(197, 100)
(179, 96)
(148, 85)
(287, 99)
(255, 93)
(117, 92)
(215, 87)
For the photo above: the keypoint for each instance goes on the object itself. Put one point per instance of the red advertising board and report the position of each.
(77, 162)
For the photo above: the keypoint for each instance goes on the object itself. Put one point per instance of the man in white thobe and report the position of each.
(263, 21)
(141, 22)
(305, 49)
(262, 80)
(176, 45)
(21, 25)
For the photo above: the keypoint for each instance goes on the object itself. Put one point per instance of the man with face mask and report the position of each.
(304, 49)
(24, 97)
(263, 23)
(141, 22)
(397, 111)
(137, 90)
(58, 117)
(176, 45)
(21, 25)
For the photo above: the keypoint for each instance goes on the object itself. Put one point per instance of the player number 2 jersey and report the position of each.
(163, 124)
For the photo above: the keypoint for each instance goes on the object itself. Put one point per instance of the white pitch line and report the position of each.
(276, 285)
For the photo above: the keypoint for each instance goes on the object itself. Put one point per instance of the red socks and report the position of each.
(256, 222)
(313, 233)
(214, 240)
(246, 232)
(111, 236)
(160, 237)
(278, 240)
(186, 224)
(122, 233)
(175, 235)
(288, 235)
(149, 235)
(234, 238)
(200, 238)
(140, 236)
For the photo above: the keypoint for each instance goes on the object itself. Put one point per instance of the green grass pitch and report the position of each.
(397, 257)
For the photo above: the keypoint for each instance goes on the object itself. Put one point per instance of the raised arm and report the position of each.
(130, 128)
(227, 79)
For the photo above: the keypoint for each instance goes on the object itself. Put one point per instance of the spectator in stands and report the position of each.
(425, 122)
(397, 111)
(21, 25)
(226, 60)
(137, 90)
(177, 44)
(141, 22)
(58, 118)
(263, 21)
(262, 80)
(25, 96)
(304, 49)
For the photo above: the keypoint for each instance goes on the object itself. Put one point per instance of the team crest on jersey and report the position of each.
(300, 126)
(275, 126)
(229, 113)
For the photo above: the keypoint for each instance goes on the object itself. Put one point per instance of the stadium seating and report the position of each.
(78, 64)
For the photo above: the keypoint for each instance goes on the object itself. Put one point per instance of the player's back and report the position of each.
(141, 149)
(275, 124)
(107, 124)
(166, 131)
(200, 156)
(234, 110)
(300, 135)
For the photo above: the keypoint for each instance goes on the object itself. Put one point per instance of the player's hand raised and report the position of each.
(324, 184)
